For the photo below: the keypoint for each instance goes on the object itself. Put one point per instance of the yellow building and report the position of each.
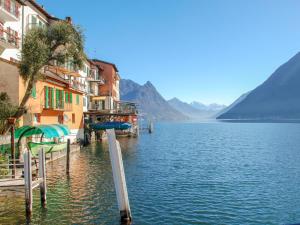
(53, 100)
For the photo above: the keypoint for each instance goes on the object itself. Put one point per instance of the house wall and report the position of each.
(9, 80)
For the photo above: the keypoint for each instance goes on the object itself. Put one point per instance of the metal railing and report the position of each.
(9, 36)
(11, 7)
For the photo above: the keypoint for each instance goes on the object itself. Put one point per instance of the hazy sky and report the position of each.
(204, 50)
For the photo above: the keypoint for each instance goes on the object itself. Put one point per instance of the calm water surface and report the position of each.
(205, 173)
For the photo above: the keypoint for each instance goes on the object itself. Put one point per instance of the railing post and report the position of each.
(28, 182)
(68, 157)
(42, 175)
(119, 175)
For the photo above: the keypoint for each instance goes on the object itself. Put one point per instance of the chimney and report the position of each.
(69, 19)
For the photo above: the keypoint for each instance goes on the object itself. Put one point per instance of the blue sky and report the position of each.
(203, 50)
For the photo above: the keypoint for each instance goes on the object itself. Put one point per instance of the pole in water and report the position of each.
(28, 182)
(118, 175)
(150, 127)
(68, 157)
(42, 175)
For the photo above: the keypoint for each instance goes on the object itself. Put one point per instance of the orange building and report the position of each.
(109, 94)
(53, 100)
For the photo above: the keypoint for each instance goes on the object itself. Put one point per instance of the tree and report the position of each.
(57, 43)
(7, 109)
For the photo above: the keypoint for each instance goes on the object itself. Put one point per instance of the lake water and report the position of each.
(183, 173)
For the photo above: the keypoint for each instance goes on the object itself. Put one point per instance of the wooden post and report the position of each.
(12, 121)
(28, 182)
(119, 175)
(151, 127)
(42, 175)
(68, 157)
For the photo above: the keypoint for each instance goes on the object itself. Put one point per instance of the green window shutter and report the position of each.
(62, 98)
(77, 99)
(33, 92)
(67, 97)
(52, 98)
(46, 97)
(57, 98)
(71, 97)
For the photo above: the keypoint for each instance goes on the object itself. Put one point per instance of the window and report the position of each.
(49, 97)
(84, 102)
(77, 99)
(68, 97)
(33, 21)
(37, 118)
(73, 117)
(33, 92)
(60, 119)
(103, 104)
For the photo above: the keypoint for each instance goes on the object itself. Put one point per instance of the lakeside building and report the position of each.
(56, 100)
(67, 93)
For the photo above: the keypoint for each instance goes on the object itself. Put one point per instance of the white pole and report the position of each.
(42, 175)
(118, 175)
(28, 182)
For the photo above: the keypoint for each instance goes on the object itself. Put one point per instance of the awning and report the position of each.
(49, 131)
(99, 97)
(111, 125)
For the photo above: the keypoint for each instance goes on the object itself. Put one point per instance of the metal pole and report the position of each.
(42, 175)
(68, 157)
(119, 176)
(28, 182)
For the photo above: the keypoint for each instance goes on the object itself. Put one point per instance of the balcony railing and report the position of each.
(119, 108)
(9, 38)
(59, 107)
(77, 85)
(9, 10)
(94, 78)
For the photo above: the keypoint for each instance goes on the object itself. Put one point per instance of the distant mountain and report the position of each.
(276, 99)
(195, 110)
(211, 107)
(237, 101)
(150, 102)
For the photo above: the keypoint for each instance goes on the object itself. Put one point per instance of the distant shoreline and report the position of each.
(259, 120)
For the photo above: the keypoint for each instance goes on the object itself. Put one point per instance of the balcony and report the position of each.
(118, 108)
(9, 38)
(94, 78)
(9, 10)
(67, 107)
(77, 85)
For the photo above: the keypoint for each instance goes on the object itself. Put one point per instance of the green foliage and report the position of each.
(7, 109)
(57, 43)
(60, 42)
(3, 168)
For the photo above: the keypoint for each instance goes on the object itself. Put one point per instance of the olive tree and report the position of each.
(59, 42)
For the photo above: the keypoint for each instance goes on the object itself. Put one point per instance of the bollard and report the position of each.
(42, 175)
(119, 175)
(68, 157)
(28, 182)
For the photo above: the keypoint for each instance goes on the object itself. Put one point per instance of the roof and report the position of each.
(41, 9)
(49, 131)
(109, 63)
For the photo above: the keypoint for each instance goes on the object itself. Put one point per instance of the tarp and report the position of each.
(111, 125)
(49, 131)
